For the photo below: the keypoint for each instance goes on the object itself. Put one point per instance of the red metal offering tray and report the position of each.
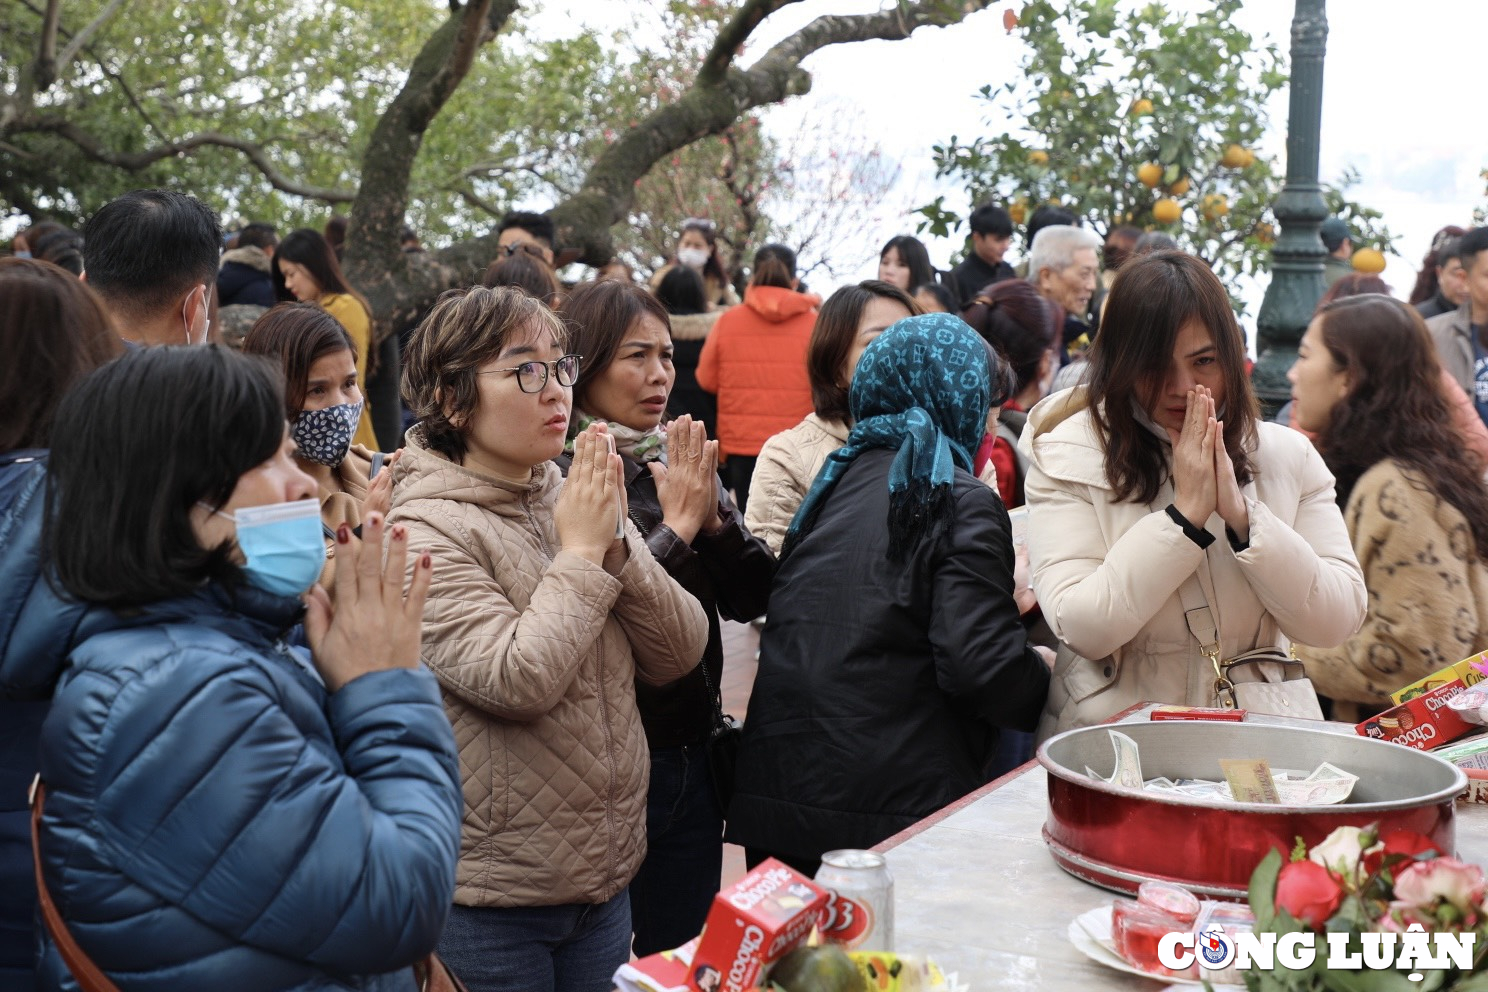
(1118, 838)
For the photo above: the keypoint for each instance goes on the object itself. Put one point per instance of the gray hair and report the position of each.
(1054, 248)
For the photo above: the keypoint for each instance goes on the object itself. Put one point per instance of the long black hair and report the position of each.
(135, 445)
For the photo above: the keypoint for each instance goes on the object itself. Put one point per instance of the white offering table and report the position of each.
(976, 889)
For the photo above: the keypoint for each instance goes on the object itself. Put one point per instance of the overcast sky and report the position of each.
(1398, 102)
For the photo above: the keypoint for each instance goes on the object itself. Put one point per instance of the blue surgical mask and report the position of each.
(325, 435)
(283, 543)
(23, 254)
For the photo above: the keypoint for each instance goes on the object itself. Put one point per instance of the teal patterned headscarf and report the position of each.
(923, 389)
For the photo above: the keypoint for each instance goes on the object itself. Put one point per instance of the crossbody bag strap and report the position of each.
(89, 976)
(1205, 630)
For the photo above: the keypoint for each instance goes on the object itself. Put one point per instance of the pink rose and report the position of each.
(1424, 882)
(1400, 915)
(1309, 892)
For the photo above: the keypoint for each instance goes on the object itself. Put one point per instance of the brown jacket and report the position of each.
(1428, 590)
(787, 466)
(343, 505)
(536, 650)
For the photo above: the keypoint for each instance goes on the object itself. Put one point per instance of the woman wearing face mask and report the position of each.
(223, 811)
(305, 269)
(697, 249)
(695, 532)
(1156, 490)
(541, 623)
(324, 406)
(1417, 510)
(789, 461)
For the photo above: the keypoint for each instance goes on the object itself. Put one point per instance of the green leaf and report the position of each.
(1262, 891)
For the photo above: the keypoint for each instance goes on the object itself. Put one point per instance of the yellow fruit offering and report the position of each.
(1237, 157)
(1141, 107)
(1038, 157)
(1018, 211)
(1166, 211)
(1180, 187)
(1369, 260)
(1150, 174)
(1215, 206)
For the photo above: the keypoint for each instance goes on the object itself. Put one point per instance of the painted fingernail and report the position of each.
(426, 560)
(374, 520)
(343, 534)
(399, 532)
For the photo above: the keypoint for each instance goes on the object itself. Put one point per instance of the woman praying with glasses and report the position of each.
(697, 249)
(677, 501)
(545, 610)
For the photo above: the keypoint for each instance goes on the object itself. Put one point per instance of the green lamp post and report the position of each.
(1297, 258)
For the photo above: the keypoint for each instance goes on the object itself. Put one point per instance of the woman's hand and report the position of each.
(1023, 593)
(593, 500)
(687, 485)
(1194, 487)
(369, 625)
(1230, 501)
(379, 498)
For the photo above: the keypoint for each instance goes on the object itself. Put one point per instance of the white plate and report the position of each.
(1091, 934)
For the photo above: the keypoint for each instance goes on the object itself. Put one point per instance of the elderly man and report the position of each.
(1461, 335)
(1063, 265)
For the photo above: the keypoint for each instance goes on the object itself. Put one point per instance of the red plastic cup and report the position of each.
(1137, 928)
(1174, 900)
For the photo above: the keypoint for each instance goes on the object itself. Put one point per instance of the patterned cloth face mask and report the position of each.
(325, 435)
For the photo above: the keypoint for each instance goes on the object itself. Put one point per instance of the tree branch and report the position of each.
(608, 190)
(135, 161)
(733, 35)
(372, 260)
(82, 37)
(46, 54)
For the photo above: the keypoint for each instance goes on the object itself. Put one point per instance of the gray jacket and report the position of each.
(1452, 333)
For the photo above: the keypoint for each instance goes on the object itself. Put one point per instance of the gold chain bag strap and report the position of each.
(432, 974)
(1264, 680)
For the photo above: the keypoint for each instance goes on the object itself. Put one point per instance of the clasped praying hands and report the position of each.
(1204, 480)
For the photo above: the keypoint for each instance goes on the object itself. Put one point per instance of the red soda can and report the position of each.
(860, 903)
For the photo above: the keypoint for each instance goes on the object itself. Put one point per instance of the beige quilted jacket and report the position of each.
(536, 650)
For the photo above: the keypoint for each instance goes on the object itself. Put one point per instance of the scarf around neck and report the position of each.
(641, 446)
(921, 389)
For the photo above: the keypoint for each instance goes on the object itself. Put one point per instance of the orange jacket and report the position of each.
(755, 361)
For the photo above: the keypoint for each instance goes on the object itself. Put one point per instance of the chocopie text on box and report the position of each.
(1424, 722)
(753, 924)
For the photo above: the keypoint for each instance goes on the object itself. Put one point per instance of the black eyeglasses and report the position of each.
(533, 376)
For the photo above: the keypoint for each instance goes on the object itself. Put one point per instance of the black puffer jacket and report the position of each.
(881, 684)
(728, 572)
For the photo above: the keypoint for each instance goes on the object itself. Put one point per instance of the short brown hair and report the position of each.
(1152, 298)
(296, 335)
(832, 338)
(53, 331)
(524, 267)
(599, 314)
(465, 329)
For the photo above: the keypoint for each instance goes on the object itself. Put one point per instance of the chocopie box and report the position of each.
(753, 924)
(1423, 722)
(1463, 670)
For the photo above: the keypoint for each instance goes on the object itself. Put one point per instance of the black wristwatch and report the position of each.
(1200, 537)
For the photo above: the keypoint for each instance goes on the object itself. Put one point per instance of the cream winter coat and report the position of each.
(536, 651)
(787, 466)
(1108, 574)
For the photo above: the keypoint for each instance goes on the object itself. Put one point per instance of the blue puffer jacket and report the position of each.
(37, 629)
(216, 820)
